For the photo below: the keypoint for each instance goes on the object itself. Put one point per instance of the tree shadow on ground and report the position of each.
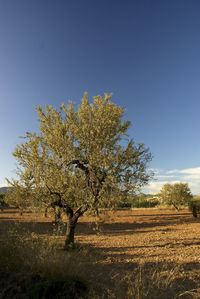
(153, 223)
(111, 229)
(143, 279)
(29, 227)
(153, 215)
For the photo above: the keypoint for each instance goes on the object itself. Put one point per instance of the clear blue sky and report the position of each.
(146, 52)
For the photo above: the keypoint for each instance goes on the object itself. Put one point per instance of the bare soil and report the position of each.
(127, 239)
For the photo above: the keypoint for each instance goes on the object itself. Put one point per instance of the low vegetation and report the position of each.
(194, 205)
(140, 200)
(38, 267)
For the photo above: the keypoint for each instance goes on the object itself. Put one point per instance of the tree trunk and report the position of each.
(72, 222)
(57, 214)
(72, 219)
(46, 212)
(71, 225)
(97, 212)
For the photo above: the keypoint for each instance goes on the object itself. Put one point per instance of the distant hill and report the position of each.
(4, 189)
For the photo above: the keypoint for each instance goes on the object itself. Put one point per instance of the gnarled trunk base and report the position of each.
(69, 241)
(72, 222)
(46, 212)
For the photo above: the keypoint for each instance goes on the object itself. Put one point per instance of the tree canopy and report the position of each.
(82, 157)
(177, 194)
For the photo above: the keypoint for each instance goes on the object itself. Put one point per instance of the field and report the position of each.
(141, 253)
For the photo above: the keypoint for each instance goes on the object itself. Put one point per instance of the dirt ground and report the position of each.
(148, 235)
(128, 238)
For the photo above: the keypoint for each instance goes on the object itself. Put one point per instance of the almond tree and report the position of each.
(21, 192)
(177, 194)
(83, 157)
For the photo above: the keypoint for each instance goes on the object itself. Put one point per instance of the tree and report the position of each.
(194, 205)
(2, 201)
(21, 194)
(177, 195)
(82, 158)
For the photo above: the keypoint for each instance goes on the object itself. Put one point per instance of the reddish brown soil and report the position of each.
(140, 235)
(127, 238)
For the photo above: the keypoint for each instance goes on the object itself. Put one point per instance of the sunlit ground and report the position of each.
(154, 240)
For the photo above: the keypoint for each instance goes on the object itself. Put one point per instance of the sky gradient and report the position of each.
(147, 53)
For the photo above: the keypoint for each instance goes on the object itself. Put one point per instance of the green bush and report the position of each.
(2, 201)
(194, 205)
(138, 201)
(145, 203)
(124, 204)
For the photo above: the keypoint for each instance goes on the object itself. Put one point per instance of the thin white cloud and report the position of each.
(172, 171)
(164, 176)
(186, 175)
(192, 177)
(194, 170)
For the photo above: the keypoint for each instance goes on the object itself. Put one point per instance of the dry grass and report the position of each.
(145, 253)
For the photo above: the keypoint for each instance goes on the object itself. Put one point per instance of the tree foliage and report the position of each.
(2, 201)
(177, 194)
(194, 205)
(82, 157)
